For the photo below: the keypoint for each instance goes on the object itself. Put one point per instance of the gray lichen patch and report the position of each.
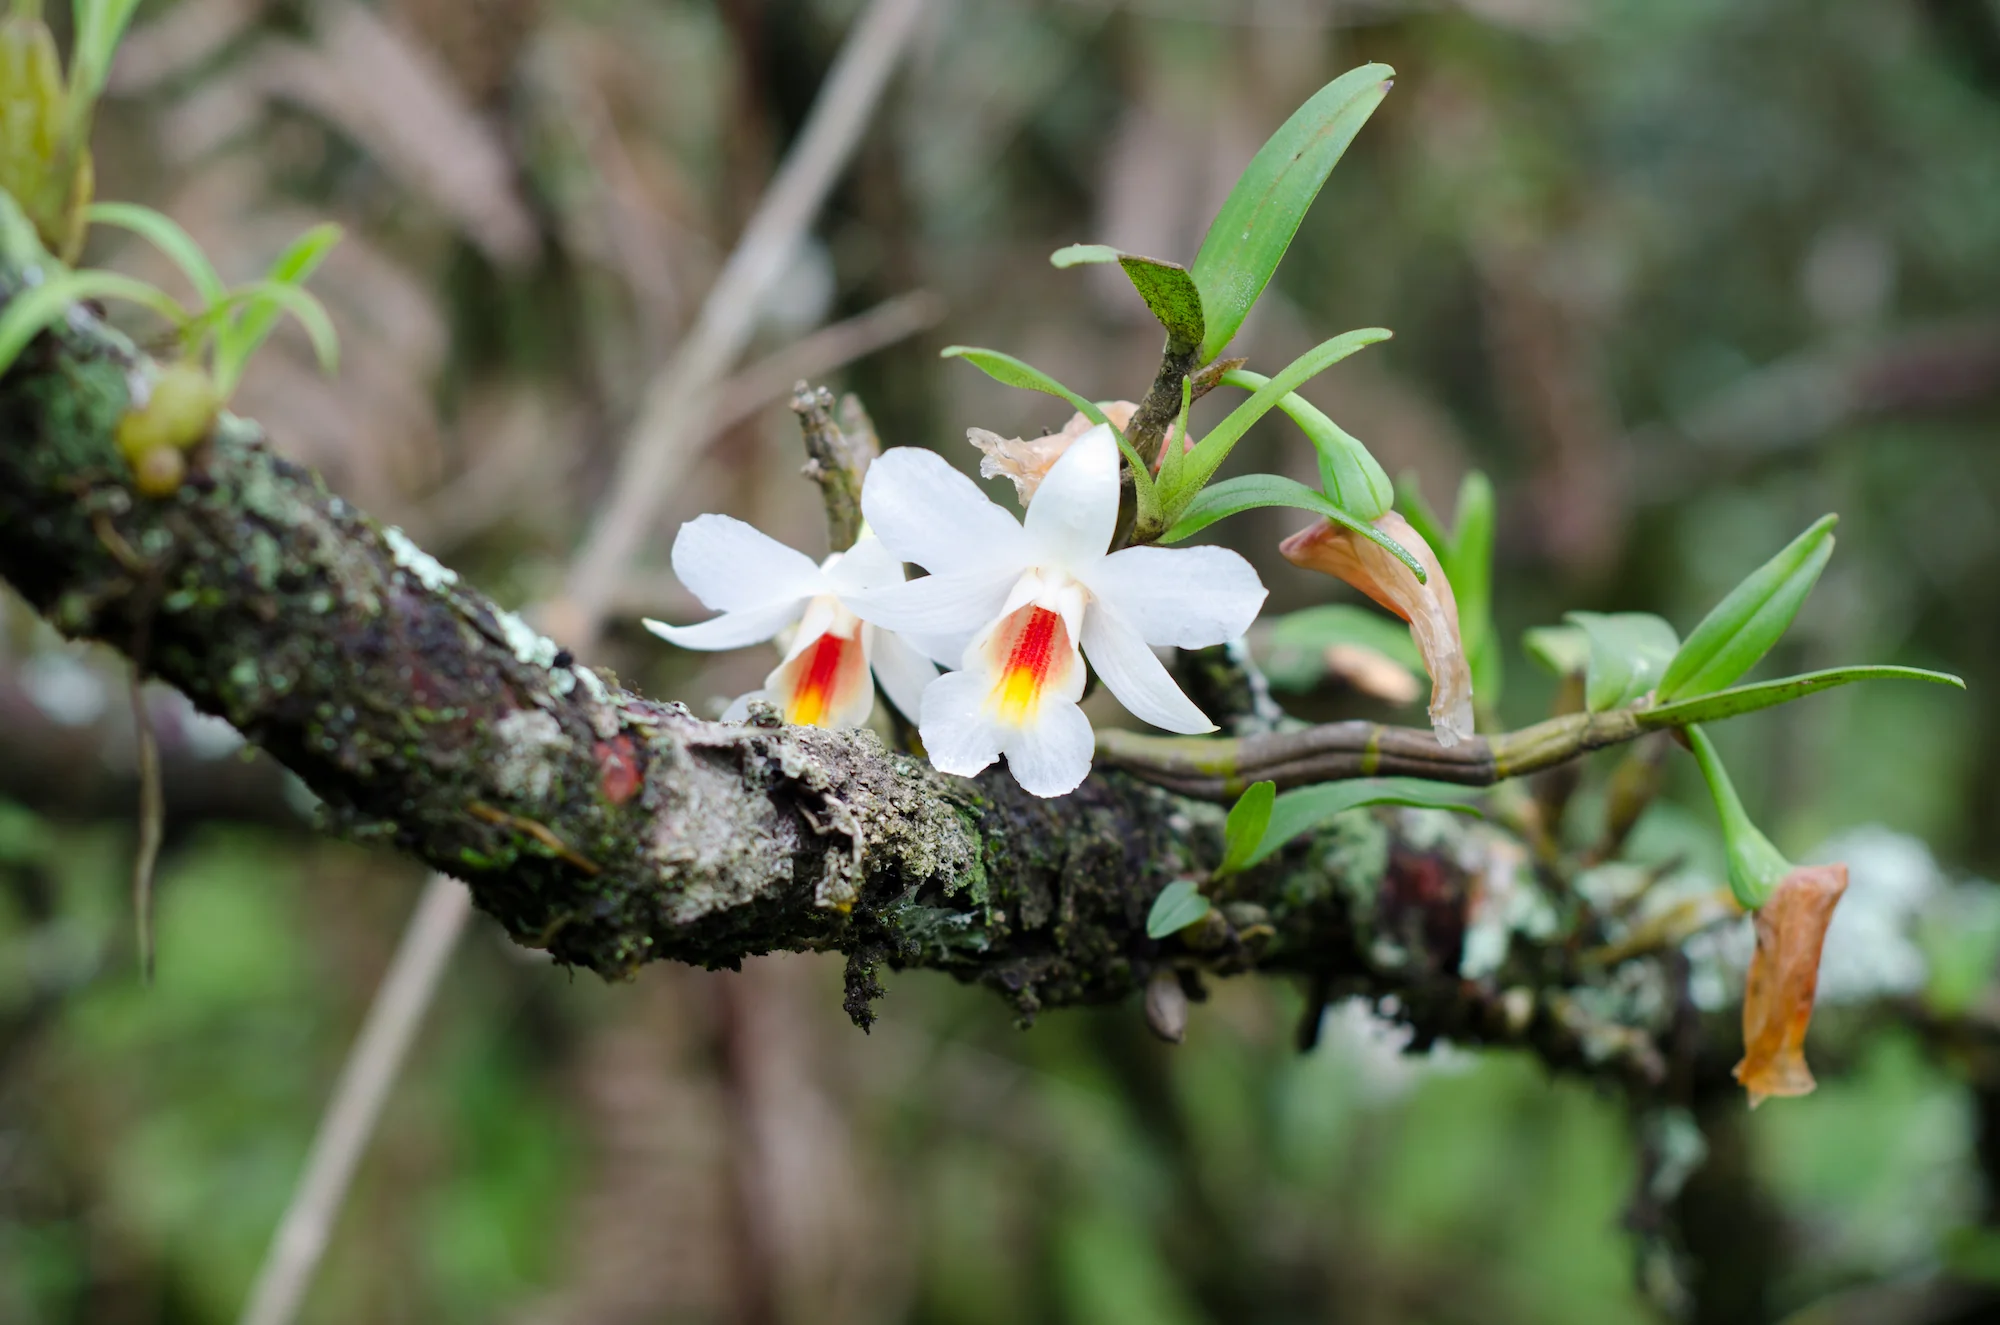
(529, 743)
(429, 571)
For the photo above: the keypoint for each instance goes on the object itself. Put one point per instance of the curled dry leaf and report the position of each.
(1027, 459)
(1429, 607)
(1784, 975)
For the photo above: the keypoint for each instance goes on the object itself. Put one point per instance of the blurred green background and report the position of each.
(1679, 276)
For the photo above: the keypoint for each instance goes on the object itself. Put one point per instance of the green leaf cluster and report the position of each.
(1202, 306)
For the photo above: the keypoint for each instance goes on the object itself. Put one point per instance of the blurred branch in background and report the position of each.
(679, 407)
(683, 408)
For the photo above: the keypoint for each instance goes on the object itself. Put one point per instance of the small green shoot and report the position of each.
(1179, 905)
(1244, 829)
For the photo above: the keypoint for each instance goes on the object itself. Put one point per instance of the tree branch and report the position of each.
(611, 829)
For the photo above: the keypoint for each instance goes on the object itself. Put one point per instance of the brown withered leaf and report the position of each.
(1784, 975)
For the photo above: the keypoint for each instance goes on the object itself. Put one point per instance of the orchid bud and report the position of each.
(1336, 550)
(1026, 460)
(1784, 975)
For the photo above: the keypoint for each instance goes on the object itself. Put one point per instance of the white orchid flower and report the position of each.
(762, 588)
(1018, 601)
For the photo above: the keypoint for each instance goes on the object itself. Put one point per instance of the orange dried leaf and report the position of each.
(1784, 975)
(1430, 609)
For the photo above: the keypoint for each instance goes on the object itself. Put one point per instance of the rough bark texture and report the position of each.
(612, 829)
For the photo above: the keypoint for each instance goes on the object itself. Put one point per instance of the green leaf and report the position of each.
(35, 309)
(1212, 450)
(1179, 905)
(1750, 618)
(261, 302)
(1166, 287)
(1299, 641)
(1308, 808)
(1352, 477)
(1006, 369)
(165, 235)
(1469, 567)
(1251, 491)
(1248, 819)
(1564, 650)
(1629, 651)
(1764, 694)
(99, 25)
(1173, 447)
(1257, 221)
(1425, 520)
(303, 255)
(1755, 866)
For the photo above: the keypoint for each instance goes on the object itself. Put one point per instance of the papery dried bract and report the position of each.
(1026, 460)
(1784, 975)
(1336, 550)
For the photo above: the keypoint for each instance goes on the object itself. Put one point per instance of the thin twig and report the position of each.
(682, 396)
(152, 825)
(679, 408)
(351, 1114)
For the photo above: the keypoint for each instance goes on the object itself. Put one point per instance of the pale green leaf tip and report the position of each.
(1079, 254)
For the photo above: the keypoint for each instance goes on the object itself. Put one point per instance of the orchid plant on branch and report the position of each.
(987, 654)
(1021, 613)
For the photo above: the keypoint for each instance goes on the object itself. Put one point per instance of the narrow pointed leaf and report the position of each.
(1469, 567)
(1750, 618)
(1764, 694)
(1179, 905)
(262, 301)
(1006, 369)
(1423, 517)
(303, 255)
(164, 234)
(1250, 491)
(1257, 221)
(33, 310)
(1629, 652)
(1307, 808)
(1208, 455)
(1352, 477)
(1244, 830)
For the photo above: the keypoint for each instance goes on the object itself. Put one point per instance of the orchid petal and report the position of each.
(866, 565)
(731, 630)
(903, 670)
(937, 604)
(925, 511)
(1187, 597)
(1075, 510)
(959, 735)
(1051, 755)
(731, 566)
(824, 681)
(1128, 668)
